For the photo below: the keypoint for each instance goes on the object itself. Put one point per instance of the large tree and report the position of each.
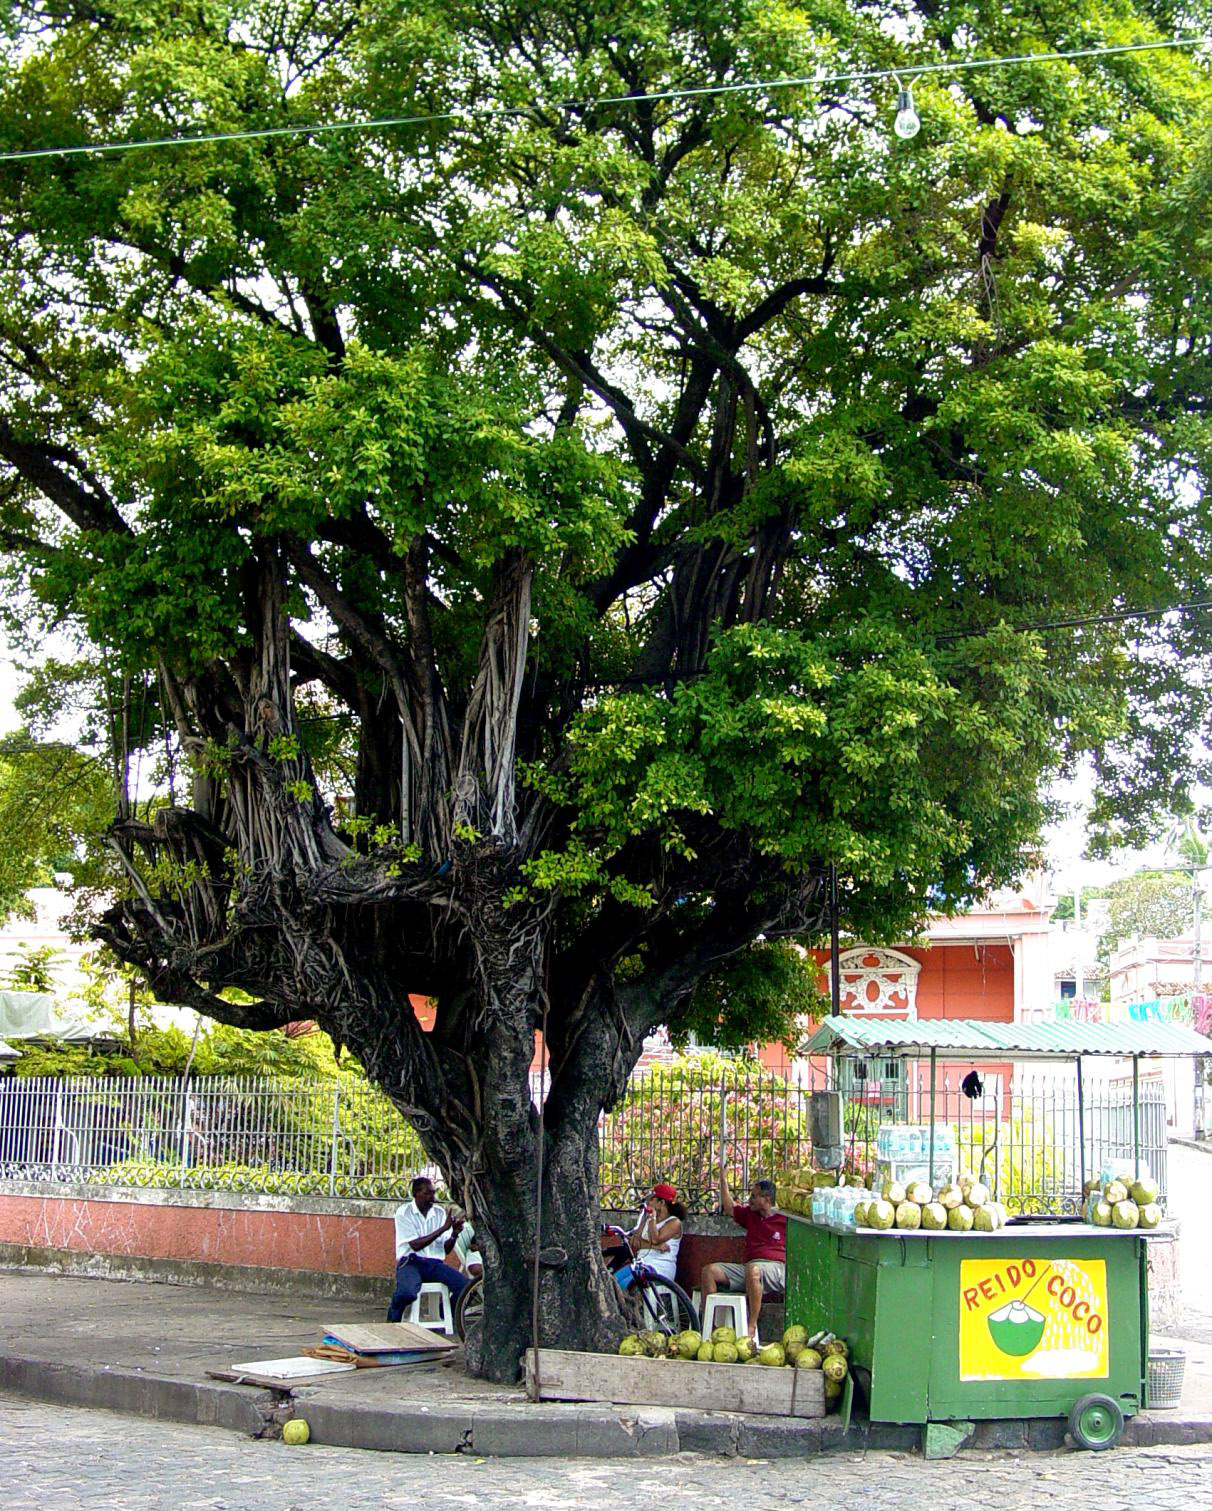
(653, 486)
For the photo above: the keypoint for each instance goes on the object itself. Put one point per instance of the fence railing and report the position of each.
(342, 1137)
(322, 1137)
(1023, 1136)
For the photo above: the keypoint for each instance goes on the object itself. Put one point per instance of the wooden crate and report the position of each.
(632, 1381)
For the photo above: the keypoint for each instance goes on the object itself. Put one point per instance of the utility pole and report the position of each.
(1197, 988)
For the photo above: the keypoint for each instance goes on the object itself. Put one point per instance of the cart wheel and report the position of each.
(1096, 1423)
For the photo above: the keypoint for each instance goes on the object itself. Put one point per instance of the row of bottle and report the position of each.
(835, 1205)
(910, 1141)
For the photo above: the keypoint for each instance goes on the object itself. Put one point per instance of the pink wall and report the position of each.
(325, 1242)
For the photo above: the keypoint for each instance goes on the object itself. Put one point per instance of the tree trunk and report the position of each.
(578, 1303)
(498, 1177)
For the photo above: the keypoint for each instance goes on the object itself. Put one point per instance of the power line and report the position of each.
(1083, 621)
(1117, 617)
(490, 112)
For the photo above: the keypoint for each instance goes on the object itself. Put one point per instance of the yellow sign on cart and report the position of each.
(1033, 1319)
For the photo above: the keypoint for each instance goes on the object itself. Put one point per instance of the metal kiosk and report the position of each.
(1044, 1318)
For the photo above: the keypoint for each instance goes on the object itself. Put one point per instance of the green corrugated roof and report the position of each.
(971, 1039)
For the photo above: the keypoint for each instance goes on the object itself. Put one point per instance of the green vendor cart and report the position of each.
(1045, 1317)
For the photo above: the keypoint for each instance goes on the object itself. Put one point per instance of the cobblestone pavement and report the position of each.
(55, 1458)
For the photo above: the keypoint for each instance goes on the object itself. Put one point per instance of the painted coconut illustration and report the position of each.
(1017, 1328)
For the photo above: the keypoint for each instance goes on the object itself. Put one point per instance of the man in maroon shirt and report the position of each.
(764, 1272)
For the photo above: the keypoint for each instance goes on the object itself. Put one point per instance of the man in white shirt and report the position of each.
(421, 1244)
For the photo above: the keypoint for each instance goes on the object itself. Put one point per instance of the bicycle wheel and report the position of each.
(469, 1309)
(663, 1306)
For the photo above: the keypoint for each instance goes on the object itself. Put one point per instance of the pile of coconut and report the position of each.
(962, 1205)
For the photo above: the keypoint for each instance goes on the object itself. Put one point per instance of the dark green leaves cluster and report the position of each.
(800, 428)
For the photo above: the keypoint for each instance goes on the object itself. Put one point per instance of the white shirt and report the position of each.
(663, 1261)
(412, 1224)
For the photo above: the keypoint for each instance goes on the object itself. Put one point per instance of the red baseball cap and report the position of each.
(666, 1193)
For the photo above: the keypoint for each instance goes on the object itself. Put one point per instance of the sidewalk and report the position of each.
(146, 1348)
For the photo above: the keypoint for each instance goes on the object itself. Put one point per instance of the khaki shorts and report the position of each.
(774, 1276)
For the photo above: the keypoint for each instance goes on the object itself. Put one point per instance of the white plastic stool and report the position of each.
(667, 1303)
(432, 1309)
(732, 1302)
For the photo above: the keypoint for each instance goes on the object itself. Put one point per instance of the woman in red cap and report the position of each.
(657, 1237)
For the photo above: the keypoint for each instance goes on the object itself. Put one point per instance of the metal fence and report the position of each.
(330, 1137)
(672, 1122)
(1023, 1136)
(342, 1137)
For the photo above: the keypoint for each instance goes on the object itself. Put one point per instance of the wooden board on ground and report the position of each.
(389, 1338)
(289, 1371)
(633, 1381)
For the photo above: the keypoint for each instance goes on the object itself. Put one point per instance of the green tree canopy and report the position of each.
(55, 804)
(656, 485)
(1148, 904)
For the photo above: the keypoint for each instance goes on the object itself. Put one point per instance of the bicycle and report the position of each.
(652, 1302)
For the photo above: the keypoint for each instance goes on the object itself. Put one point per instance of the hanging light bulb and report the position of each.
(908, 123)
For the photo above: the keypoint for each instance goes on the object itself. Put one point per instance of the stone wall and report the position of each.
(306, 1245)
(310, 1245)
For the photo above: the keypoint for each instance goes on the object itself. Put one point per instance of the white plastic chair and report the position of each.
(432, 1309)
(731, 1302)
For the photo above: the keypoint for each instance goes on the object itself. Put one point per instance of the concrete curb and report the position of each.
(549, 1430)
(138, 1394)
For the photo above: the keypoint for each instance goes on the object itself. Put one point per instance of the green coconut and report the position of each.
(706, 1353)
(689, 1344)
(724, 1335)
(1125, 1214)
(773, 1355)
(960, 1218)
(908, 1216)
(934, 1216)
(725, 1353)
(1150, 1215)
(1145, 1192)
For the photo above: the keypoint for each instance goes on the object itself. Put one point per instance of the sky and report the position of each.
(8, 686)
